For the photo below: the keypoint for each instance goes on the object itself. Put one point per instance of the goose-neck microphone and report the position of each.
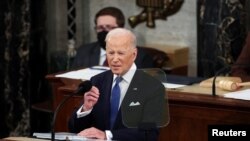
(82, 88)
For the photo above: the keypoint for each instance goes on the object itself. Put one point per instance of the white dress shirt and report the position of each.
(102, 56)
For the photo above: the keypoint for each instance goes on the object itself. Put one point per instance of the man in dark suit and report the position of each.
(93, 54)
(140, 97)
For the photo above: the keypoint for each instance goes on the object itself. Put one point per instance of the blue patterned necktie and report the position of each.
(114, 102)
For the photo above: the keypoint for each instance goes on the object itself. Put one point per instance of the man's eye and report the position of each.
(121, 53)
(110, 53)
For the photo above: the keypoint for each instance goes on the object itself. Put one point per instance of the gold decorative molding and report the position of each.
(154, 9)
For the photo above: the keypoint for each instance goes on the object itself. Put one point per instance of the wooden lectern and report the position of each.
(192, 109)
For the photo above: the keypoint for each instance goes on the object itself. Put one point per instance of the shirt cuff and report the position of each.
(80, 114)
(109, 135)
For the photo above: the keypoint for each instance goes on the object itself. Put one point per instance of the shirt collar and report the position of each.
(103, 52)
(127, 77)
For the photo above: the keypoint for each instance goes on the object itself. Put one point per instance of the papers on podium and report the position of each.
(60, 136)
(172, 86)
(84, 74)
(63, 136)
(242, 94)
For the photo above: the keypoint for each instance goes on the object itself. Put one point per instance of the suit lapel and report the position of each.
(134, 90)
(133, 101)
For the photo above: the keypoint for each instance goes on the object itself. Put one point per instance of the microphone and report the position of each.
(82, 88)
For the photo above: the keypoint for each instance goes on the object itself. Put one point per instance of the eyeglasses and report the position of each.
(104, 28)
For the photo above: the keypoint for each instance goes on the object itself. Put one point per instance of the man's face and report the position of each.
(120, 54)
(105, 23)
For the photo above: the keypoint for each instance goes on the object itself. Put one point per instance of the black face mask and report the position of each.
(101, 38)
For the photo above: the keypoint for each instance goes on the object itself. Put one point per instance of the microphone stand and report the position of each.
(80, 90)
(214, 79)
(55, 115)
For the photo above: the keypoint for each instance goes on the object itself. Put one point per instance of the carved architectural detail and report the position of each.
(154, 9)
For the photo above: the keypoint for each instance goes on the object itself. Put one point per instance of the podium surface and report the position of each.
(22, 139)
(191, 108)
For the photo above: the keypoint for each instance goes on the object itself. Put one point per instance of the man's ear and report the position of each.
(135, 52)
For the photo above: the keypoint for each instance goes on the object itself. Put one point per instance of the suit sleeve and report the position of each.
(75, 125)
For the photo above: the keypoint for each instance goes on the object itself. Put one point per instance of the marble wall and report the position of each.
(222, 32)
(179, 29)
(15, 21)
(23, 65)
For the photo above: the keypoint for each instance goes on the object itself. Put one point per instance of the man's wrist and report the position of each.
(81, 112)
(83, 108)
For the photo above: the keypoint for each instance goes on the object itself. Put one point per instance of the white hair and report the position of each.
(122, 32)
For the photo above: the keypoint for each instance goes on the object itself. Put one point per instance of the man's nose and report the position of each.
(116, 57)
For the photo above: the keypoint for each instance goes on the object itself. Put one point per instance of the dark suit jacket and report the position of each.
(146, 90)
(88, 55)
(242, 65)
